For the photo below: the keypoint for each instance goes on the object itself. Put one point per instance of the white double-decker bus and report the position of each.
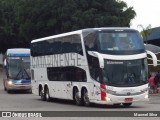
(96, 65)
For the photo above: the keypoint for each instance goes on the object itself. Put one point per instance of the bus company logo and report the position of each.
(6, 114)
(128, 90)
(114, 62)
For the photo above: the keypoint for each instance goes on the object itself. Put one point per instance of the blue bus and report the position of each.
(16, 63)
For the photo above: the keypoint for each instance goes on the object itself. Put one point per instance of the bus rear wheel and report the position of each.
(47, 95)
(127, 104)
(86, 98)
(77, 98)
(43, 97)
(5, 89)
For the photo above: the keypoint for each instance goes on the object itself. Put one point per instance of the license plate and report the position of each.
(22, 87)
(128, 99)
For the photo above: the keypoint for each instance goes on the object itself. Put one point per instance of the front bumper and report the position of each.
(112, 99)
(19, 87)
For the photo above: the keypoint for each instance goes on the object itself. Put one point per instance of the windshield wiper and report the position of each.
(18, 73)
(22, 76)
(27, 74)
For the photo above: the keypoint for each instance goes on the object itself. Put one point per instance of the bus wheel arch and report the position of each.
(85, 96)
(40, 88)
(76, 96)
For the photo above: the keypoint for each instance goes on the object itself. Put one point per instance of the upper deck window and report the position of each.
(60, 45)
(120, 41)
(123, 42)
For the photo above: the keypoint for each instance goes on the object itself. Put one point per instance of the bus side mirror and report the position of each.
(154, 57)
(100, 58)
(5, 63)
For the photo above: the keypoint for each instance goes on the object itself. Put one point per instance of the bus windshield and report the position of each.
(125, 73)
(120, 41)
(18, 67)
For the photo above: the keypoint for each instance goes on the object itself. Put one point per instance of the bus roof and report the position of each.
(18, 52)
(80, 31)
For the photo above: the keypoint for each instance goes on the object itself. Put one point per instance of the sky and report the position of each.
(148, 12)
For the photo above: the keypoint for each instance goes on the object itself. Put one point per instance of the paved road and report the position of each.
(23, 101)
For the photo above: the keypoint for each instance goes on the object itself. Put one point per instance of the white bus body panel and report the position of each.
(137, 93)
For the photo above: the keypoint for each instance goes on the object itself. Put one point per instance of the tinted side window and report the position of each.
(93, 62)
(66, 74)
(33, 49)
(94, 67)
(67, 44)
(90, 41)
(39, 48)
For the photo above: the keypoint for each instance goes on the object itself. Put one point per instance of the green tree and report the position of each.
(25, 20)
(146, 31)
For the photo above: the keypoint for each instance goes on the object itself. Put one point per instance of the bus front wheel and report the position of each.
(5, 89)
(9, 91)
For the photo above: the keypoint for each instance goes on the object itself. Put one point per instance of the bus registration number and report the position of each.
(128, 99)
(22, 87)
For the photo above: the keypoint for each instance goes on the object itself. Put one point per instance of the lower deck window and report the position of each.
(66, 74)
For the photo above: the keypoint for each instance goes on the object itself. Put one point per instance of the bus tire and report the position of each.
(77, 99)
(5, 89)
(47, 95)
(42, 95)
(85, 97)
(127, 104)
(29, 91)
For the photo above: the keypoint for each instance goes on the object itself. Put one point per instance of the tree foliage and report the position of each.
(146, 31)
(24, 20)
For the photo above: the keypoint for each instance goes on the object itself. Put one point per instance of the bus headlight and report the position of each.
(146, 97)
(108, 99)
(10, 82)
